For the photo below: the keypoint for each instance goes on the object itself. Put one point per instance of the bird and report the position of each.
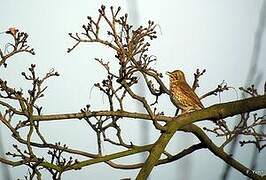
(181, 94)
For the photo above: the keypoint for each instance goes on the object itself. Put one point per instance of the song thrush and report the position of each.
(181, 93)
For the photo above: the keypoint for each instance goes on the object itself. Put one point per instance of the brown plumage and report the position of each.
(182, 94)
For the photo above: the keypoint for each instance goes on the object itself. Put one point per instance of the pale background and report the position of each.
(212, 34)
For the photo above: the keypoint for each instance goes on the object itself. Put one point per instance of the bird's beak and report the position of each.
(168, 73)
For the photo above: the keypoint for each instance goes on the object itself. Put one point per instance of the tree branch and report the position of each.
(220, 152)
(170, 158)
(214, 112)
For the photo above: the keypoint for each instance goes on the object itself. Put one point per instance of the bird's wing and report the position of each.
(190, 94)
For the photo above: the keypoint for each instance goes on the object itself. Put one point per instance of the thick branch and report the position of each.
(105, 158)
(214, 112)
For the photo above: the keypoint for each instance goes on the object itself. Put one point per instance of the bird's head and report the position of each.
(176, 75)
